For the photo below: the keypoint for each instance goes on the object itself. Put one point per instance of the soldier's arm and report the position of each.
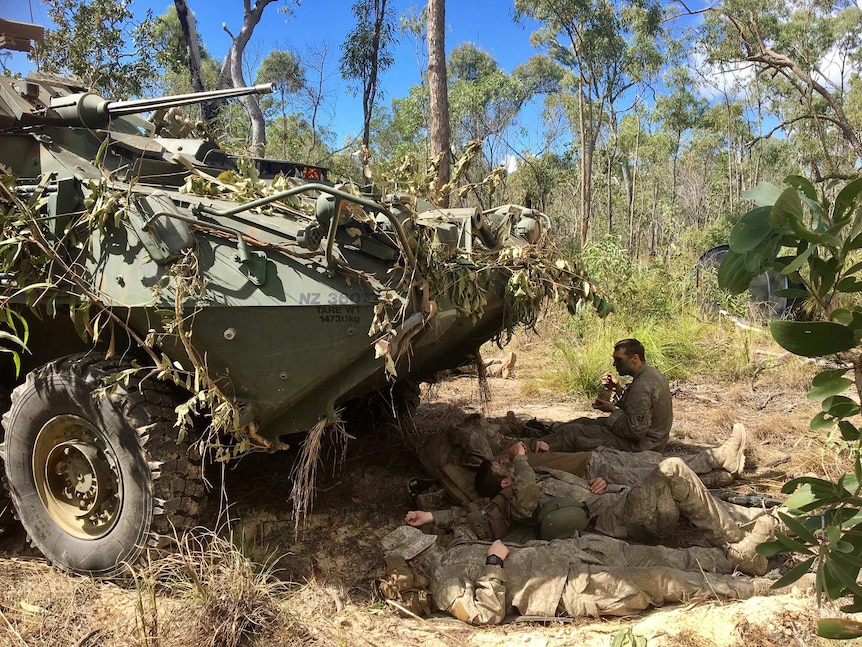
(482, 602)
(449, 518)
(634, 417)
(527, 492)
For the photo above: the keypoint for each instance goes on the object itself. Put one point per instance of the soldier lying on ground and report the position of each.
(452, 456)
(586, 576)
(646, 512)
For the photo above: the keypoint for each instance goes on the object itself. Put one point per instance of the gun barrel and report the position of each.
(134, 106)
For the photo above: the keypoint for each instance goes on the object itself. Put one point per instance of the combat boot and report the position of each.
(764, 586)
(729, 457)
(743, 554)
(716, 479)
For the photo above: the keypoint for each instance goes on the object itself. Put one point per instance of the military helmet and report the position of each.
(562, 517)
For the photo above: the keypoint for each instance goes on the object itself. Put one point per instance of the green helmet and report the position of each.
(562, 517)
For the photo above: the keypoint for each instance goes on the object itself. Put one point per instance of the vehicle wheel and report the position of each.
(96, 480)
(6, 514)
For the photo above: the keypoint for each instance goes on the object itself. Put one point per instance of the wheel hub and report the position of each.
(77, 476)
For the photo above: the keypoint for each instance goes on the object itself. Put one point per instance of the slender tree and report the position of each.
(810, 53)
(231, 74)
(439, 95)
(367, 52)
(608, 47)
(283, 68)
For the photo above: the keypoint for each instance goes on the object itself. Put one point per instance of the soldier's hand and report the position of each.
(598, 485)
(499, 549)
(418, 518)
(612, 383)
(603, 405)
(541, 446)
(518, 449)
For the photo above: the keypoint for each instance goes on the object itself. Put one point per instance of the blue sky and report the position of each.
(487, 23)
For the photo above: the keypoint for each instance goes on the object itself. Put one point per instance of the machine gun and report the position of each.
(29, 103)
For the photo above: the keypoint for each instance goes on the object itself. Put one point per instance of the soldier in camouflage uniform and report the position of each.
(645, 512)
(452, 457)
(641, 416)
(587, 576)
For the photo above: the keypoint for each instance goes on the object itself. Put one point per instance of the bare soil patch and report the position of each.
(335, 555)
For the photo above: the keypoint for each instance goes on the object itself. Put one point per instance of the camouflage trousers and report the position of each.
(585, 434)
(673, 489)
(597, 591)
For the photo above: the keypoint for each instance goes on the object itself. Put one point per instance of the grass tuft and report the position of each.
(234, 598)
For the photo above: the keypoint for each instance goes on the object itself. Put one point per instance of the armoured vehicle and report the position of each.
(179, 303)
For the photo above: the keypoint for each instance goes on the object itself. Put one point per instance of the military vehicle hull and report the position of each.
(175, 297)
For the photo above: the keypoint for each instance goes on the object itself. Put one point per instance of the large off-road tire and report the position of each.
(95, 481)
(5, 510)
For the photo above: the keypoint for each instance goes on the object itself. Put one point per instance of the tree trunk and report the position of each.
(439, 97)
(759, 52)
(608, 195)
(582, 133)
(369, 91)
(631, 186)
(231, 72)
(209, 110)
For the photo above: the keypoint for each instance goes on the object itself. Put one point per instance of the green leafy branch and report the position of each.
(814, 237)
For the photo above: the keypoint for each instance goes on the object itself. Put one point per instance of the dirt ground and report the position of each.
(329, 566)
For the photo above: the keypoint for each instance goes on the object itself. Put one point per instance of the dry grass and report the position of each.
(43, 606)
(304, 474)
(232, 597)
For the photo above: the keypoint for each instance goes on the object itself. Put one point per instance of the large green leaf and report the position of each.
(802, 497)
(786, 209)
(821, 421)
(787, 544)
(794, 574)
(733, 275)
(812, 338)
(751, 230)
(847, 198)
(828, 383)
(839, 406)
(763, 195)
(803, 184)
(849, 431)
(839, 628)
(799, 261)
(855, 243)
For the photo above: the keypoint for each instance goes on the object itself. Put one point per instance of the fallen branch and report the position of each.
(424, 621)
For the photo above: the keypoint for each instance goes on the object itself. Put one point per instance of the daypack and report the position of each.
(406, 584)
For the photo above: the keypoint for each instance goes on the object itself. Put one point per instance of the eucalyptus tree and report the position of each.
(100, 42)
(810, 52)
(438, 97)
(231, 73)
(484, 100)
(367, 52)
(283, 68)
(679, 111)
(173, 60)
(607, 46)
